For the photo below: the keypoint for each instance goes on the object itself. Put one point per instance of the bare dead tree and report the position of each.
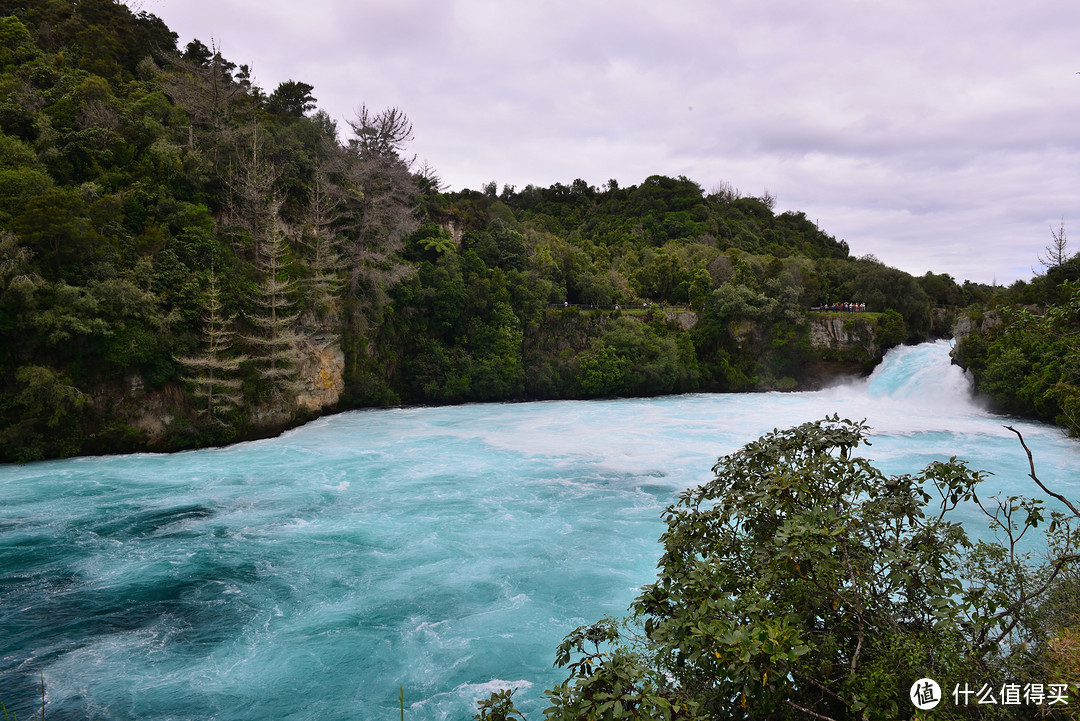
(207, 92)
(382, 135)
(382, 189)
(319, 235)
(725, 192)
(252, 201)
(1056, 251)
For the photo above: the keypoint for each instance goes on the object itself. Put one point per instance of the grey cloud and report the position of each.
(906, 128)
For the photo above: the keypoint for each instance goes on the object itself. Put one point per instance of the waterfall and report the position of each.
(925, 374)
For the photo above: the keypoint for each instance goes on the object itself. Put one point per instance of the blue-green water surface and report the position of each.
(446, 550)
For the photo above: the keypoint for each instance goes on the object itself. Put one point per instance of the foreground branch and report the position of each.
(1032, 476)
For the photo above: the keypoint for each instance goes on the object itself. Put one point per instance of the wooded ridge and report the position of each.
(186, 259)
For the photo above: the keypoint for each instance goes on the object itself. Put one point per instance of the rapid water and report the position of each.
(446, 550)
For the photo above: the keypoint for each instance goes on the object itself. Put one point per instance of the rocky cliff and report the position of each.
(849, 339)
(841, 346)
(967, 325)
(129, 416)
(321, 376)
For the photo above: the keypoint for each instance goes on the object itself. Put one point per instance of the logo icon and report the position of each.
(925, 694)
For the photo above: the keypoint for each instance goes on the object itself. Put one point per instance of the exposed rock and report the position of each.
(269, 416)
(962, 328)
(942, 321)
(685, 318)
(455, 230)
(153, 419)
(747, 333)
(846, 339)
(822, 374)
(321, 371)
(147, 412)
(966, 325)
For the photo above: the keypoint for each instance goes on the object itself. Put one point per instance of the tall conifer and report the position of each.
(211, 370)
(325, 263)
(274, 345)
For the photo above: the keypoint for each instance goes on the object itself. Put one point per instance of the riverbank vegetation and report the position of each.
(185, 257)
(189, 259)
(1022, 343)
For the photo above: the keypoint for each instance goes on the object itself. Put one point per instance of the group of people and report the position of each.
(644, 306)
(847, 307)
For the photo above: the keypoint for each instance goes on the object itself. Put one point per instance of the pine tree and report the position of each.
(211, 370)
(274, 346)
(1057, 250)
(323, 214)
(252, 204)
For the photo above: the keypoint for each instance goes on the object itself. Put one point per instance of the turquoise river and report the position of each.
(445, 550)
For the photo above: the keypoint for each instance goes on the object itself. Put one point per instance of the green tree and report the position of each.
(55, 226)
(804, 583)
(793, 579)
(497, 369)
(657, 279)
(882, 287)
(291, 98)
(42, 415)
(891, 328)
(18, 286)
(604, 372)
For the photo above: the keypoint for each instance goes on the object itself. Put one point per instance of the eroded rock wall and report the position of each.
(850, 339)
(321, 371)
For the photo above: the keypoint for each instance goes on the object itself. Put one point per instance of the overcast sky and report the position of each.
(938, 135)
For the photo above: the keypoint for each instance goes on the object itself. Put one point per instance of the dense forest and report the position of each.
(179, 243)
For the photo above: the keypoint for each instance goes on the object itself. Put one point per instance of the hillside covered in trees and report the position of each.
(186, 258)
(1022, 343)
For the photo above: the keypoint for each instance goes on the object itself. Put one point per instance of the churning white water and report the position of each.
(446, 550)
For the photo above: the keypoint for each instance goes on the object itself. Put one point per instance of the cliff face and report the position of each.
(849, 339)
(685, 318)
(321, 372)
(128, 416)
(133, 416)
(836, 347)
(966, 325)
(841, 348)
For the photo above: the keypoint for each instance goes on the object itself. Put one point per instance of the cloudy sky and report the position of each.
(938, 135)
